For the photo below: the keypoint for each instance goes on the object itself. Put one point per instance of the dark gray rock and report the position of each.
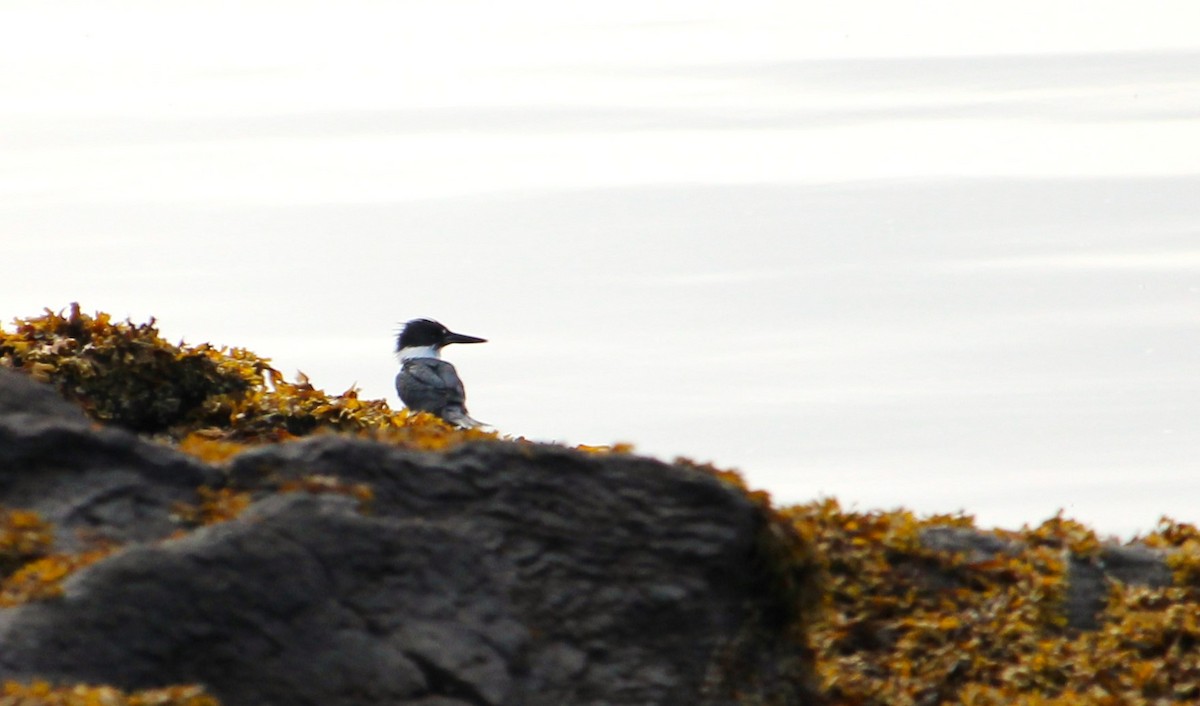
(1089, 579)
(302, 601)
(20, 394)
(494, 574)
(974, 545)
(631, 574)
(90, 482)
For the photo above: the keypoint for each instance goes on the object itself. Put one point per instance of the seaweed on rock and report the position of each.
(887, 617)
(211, 399)
(909, 624)
(41, 693)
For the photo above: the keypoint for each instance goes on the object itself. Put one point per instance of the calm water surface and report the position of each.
(953, 271)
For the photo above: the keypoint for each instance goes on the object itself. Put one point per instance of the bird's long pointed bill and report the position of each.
(463, 338)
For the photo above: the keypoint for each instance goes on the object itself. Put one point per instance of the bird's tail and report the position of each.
(459, 418)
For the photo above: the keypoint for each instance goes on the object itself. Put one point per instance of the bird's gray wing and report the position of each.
(430, 385)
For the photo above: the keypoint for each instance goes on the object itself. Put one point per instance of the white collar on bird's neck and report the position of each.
(411, 352)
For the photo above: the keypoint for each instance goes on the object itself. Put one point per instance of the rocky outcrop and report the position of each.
(302, 600)
(497, 573)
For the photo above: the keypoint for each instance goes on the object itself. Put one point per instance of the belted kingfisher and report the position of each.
(427, 383)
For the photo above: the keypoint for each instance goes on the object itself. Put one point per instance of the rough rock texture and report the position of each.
(302, 601)
(494, 574)
(91, 483)
(624, 568)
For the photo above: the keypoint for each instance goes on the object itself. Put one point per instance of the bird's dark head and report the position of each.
(427, 334)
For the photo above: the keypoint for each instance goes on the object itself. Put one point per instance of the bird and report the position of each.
(426, 383)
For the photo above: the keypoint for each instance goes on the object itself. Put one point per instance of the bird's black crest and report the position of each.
(420, 332)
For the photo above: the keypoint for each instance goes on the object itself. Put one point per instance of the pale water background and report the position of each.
(938, 255)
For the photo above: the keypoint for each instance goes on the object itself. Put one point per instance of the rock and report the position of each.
(497, 573)
(600, 546)
(1089, 578)
(21, 395)
(91, 483)
(303, 600)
